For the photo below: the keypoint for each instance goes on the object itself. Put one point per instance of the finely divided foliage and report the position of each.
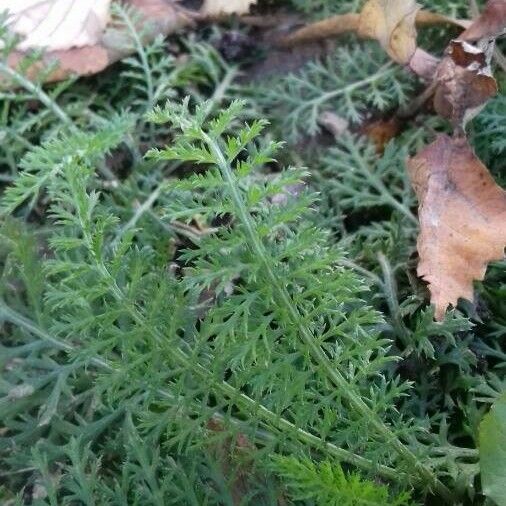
(231, 335)
(303, 357)
(348, 83)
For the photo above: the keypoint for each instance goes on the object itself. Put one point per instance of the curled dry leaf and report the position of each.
(462, 214)
(392, 23)
(343, 23)
(218, 7)
(158, 16)
(464, 83)
(490, 24)
(371, 22)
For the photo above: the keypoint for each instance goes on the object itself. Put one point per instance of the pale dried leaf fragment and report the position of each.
(213, 8)
(462, 213)
(335, 124)
(392, 23)
(56, 25)
(423, 64)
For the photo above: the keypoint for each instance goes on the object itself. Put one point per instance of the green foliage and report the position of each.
(358, 179)
(493, 451)
(111, 294)
(169, 323)
(356, 79)
(45, 162)
(488, 134)
(326, 484)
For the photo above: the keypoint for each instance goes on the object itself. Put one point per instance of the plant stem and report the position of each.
(38, 93)
(18, 319)
(389, 286)
(317, 101)
(141, 51)
(140, 209)
(361, 270)
(319, 356)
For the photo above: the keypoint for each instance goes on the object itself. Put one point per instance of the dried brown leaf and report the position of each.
(343, 23)
(381, 131)
(464, 83)
(462, 214)
(160, 16)
(329, 27)
(56, 24)
(490, 24)
(392, 23)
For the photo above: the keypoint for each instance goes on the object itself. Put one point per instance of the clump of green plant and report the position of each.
(263, 329)
(202, 326)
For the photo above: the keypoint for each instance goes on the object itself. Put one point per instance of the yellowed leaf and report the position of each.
(392, 23)
(462, 214)
(57, 24)
(218, 7)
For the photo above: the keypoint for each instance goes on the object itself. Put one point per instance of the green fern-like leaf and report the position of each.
(348, 83)
(326, 484)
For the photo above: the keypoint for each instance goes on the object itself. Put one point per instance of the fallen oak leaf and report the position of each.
(392, 23)
(82, 61)
(464, 83)
(462, 213)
